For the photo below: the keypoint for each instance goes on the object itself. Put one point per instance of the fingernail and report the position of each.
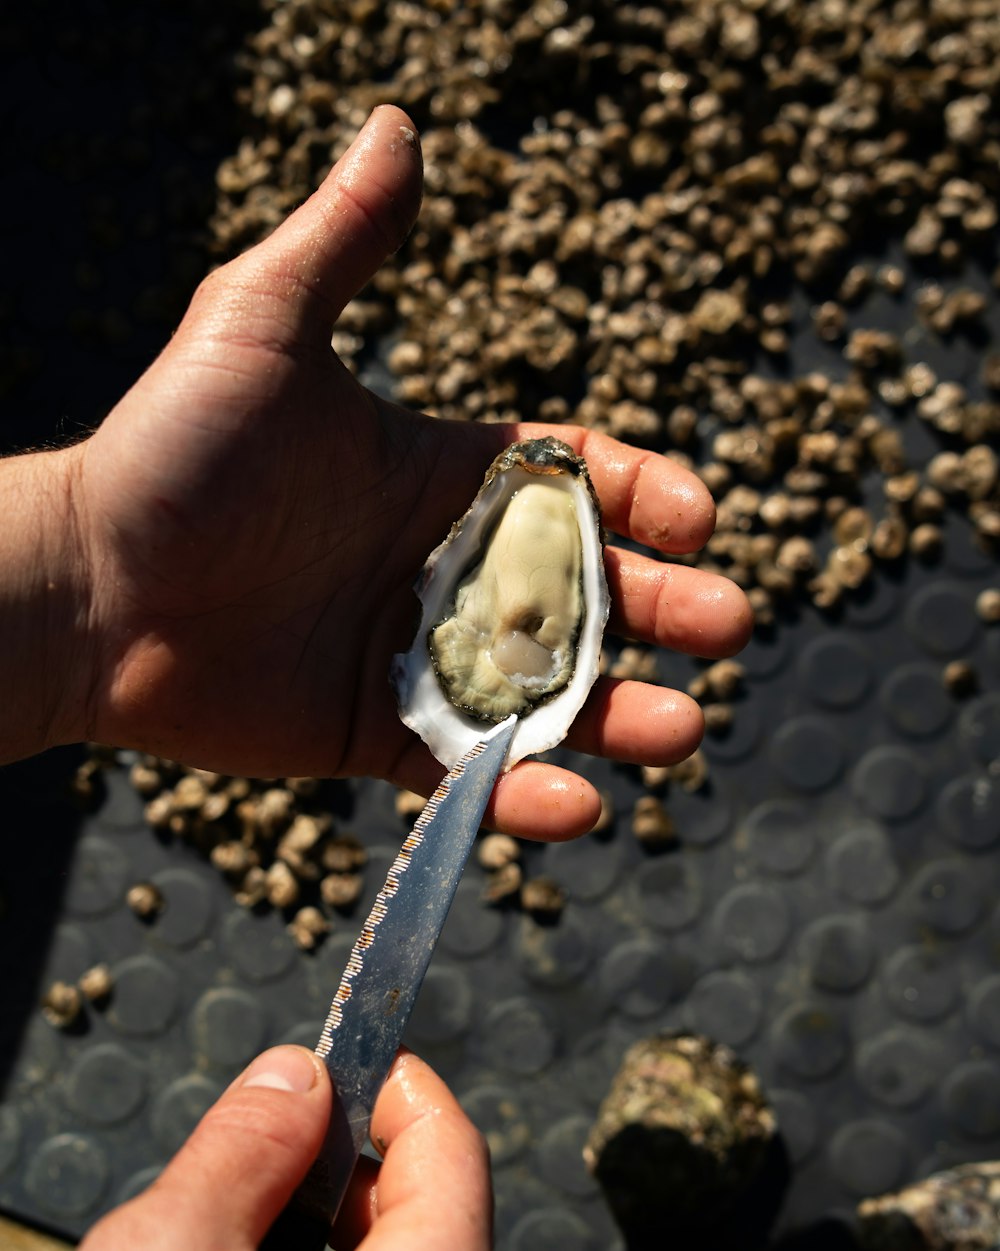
(283, 1068)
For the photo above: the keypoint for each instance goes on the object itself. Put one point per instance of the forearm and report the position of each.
(44, 606)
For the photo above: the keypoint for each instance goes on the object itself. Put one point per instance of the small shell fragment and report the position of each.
(96, 983)
(232, 857)
(691, 774)
(504, 884)
(988, 605)
(145, 899)
(253, 888)
(543, 898)
(959, 677)
(308, 927)
(497, 850)
(341, 890)
(652, 824)
(718, 718)
(61, 1005)
(281, 885)
(344, 854)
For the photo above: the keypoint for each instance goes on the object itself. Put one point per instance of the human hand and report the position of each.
(239, 1168)
(251, 520)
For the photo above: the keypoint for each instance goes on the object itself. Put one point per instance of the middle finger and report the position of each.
(688, 610)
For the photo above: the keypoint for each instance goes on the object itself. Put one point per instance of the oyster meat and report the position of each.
(514, 604)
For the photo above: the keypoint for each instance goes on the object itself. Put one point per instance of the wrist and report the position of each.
(46, 665)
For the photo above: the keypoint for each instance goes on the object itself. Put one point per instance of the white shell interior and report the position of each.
(448, 732)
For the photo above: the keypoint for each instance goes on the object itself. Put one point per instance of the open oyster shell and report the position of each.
(514, 604)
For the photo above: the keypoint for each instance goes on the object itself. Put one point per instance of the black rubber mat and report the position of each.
(829, 911)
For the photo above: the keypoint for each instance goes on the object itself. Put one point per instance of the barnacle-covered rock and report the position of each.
(685, 1147)
(958, 1210)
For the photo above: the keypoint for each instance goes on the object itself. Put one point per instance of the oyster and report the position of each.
(514, 604)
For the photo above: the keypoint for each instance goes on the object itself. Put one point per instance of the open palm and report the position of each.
(255, 519)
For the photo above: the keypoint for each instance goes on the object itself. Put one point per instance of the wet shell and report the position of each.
(514, 604)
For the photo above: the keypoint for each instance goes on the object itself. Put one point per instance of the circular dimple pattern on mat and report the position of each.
(146, 997)
(941, 619)
(861, 865)
(587, 867)
(471, 930)
(560, 1156)
(640, 978)
(753, 922)
(517, 1037)
(122, 808)
(554, 955)
(890, 782)
(106, 1084)
(896, 1068)
(499, 1115)
(984, 1010)
(68, 1175)
(971, 1098)
(947, 896)
(701, 820)
(552, 1229)
(807, 754)
(766, 654)
(179, 1108)
(97, 882)
(725, 1006)
(915, 701)
(188, 911)
(261, 952)
(919, 984)
(810, 1041)
(979, 727)
(780, 837)
(963, 553)
(740, 740)
(72, 953)
(869, 1157)
(796, 1123)
(968, 809)
(835, 672)
(838, 953)
(302, 1035)
(48, 1054)
(670, 894)
(10, 1137)
(443, 1010)
(136, 1184)
(827, 910)
(228, 1028)
(873, 605)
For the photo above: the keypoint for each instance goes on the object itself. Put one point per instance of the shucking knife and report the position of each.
(383, 975)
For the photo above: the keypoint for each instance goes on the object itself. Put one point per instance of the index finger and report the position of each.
(433, 1188)
(644, 495)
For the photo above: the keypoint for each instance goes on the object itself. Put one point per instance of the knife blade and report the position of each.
(386, 968)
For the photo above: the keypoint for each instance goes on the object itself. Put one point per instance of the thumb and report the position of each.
(332, 244)
(239, 1168)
